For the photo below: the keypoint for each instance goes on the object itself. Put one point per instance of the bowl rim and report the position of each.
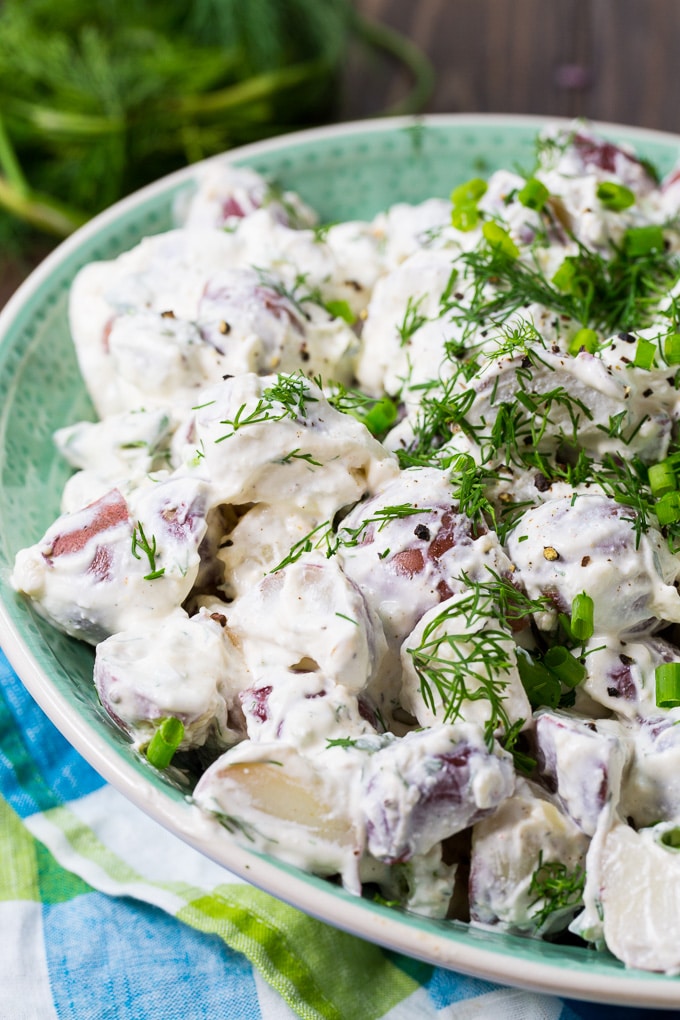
(394, 930)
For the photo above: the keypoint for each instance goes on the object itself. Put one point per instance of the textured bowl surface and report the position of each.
(349, 171)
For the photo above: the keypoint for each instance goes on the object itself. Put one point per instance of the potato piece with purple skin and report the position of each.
(575, 153)
(588, 543)
(582, 762)
(181, 667)
(68, 574)
(408, 546)
(526, 833)
(429, 785)
(253, 324)
(159, 282)
(116, 561)
(651, 787)
(305, 710)
(621, 674)
(225, 194)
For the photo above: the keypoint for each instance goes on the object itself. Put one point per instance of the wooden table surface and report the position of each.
(611, 60)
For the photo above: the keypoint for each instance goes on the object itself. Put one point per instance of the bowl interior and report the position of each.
(345, 173)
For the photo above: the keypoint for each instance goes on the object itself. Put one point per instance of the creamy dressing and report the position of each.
(349, 485)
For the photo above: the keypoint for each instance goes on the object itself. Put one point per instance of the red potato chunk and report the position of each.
(117, 561)
(525, 837)
(588, 543)
(582, 762)
(430, 785)
(408, 547)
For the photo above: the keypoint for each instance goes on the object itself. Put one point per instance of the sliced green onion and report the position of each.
(165, 742)
(667, 509)
(469, 191)
(584, 340)
(380, 417)
(542, 687)
(582, 611)
(671, 349)
(564, 278)
(645, 353)
(341, 310)
(615, 196)
(500, 239)
(464, 199)
(465, 216)
(671, 837)
(563, 664)
(662, 478)
(534, 194)
(643, 240)
(667, 677)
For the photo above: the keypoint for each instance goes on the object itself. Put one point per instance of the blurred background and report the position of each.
(97, 98)
(613, 60)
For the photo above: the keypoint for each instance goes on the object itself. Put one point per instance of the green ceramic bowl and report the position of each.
(345, 172)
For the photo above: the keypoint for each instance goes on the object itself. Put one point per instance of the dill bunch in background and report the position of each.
(98, 98)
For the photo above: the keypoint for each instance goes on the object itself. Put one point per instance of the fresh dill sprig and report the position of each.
(453, 668)
(498, 596)
(467, 663)
(286, 398)
(516, 339)
(320, 536)
(412, 320)
(604, 293)
(439, 415)
(377, 414)
(555, 888)
(347, 401)
(297, 455)
(470, 486)
(524, 762)
(148, 548)
(348, 536)
(472, 660)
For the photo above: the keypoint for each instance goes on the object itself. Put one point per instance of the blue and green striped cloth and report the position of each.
(104, 914)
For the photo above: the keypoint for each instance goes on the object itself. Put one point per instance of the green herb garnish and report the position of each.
(150, 550)
(165, 741)
(554, 888)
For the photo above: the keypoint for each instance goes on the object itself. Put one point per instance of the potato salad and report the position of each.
(377, 535)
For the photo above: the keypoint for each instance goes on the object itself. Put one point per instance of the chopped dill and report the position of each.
(150, 550)
(555, 888)
(454, 667)
(286, 398)
(412, 320)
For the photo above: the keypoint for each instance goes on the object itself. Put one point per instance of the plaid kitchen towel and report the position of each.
(104, 914)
